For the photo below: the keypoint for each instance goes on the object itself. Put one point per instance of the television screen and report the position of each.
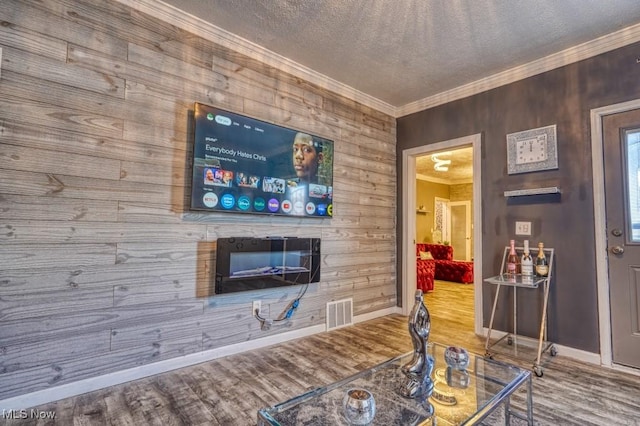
(244, 165)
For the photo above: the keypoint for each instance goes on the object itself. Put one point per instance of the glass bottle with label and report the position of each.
(526, 264)
(542, 265)
(513, 261)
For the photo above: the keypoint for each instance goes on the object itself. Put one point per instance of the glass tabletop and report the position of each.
(517, 280)
(460, 397)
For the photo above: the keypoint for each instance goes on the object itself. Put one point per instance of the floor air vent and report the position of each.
(339, 314)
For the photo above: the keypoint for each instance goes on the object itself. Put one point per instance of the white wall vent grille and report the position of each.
(339, 314)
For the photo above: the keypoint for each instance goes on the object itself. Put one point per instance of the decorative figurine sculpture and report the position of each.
(418, 382)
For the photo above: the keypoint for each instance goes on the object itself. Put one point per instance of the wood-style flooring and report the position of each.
(230, 390)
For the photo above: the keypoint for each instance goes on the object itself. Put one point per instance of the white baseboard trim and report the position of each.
(569, 352)
(579, 355)
(377, 314)
(95, 383)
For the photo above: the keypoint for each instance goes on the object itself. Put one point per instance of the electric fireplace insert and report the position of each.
(244, 264)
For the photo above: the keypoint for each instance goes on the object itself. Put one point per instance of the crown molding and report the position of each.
(444, 180)
(568, 56)
(174, 16)
(195, 25)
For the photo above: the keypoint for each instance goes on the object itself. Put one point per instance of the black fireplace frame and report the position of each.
(269, 262)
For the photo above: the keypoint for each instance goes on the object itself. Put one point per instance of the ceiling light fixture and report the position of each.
(440, 165)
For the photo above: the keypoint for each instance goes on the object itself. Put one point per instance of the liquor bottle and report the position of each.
(542, 266)
(526, 264)
(513, 261)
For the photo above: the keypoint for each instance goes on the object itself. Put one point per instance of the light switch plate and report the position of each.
(523, 228)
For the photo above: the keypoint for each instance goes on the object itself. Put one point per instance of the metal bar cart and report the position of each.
(519, 281)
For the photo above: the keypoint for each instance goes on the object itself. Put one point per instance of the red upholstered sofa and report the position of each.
(442, 267)
(426, 272)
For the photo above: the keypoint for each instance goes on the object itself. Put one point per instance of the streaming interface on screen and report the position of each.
(244, 165)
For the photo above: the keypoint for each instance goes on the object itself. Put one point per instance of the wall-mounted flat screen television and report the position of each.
(244, 165)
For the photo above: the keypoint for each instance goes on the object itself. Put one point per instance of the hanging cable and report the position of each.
(291, 308)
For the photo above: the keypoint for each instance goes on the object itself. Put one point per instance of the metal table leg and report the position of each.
(493, 312)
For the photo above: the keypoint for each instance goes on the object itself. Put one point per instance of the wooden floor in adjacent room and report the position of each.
(230, 390)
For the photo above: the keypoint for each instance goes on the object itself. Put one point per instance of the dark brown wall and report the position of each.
(564, 97)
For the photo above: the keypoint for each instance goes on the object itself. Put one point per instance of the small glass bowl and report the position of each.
(359, 406)
(456, 357)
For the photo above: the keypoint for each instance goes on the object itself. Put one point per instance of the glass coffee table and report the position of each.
(460, 397)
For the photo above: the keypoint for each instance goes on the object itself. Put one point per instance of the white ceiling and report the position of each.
(459, 170)
(402, 51)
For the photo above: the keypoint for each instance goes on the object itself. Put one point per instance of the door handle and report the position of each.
(617, 249)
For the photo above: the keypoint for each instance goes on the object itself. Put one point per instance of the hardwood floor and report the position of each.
(230, 390)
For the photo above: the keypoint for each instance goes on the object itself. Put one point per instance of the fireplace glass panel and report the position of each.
(244, 264)
(274, 263)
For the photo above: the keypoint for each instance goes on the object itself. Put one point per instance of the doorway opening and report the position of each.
(410, 207)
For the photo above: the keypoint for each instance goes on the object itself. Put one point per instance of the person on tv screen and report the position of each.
(307, 156)
(208, 177)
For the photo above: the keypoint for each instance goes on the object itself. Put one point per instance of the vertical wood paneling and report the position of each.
(99, 253)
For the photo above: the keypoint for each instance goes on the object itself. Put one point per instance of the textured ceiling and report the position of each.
(402, 51)
(460, 170)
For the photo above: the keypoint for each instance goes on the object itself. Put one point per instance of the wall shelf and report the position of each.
(532, 191)
(418, 211)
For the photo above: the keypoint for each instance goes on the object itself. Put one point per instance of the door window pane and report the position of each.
(632, 144)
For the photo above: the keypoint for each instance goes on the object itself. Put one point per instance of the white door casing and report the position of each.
(409, 224)
(602, 278)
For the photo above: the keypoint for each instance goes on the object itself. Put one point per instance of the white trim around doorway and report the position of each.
(602, 271)
(409, 223)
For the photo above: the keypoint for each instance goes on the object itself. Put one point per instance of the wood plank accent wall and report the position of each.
(102, 266)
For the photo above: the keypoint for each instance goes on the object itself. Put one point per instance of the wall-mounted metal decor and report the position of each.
(532, 150)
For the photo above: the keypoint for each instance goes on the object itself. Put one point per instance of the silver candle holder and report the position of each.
(359, 406)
